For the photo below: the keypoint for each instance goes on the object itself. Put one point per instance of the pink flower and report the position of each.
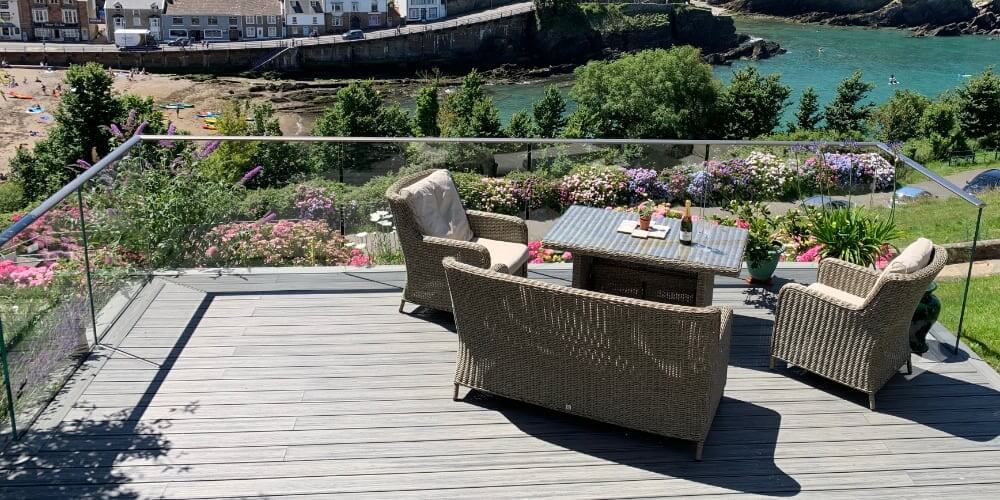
(548, 252)
(567, 256)
(211, 251)
(811, 255)
(534, 245)
(537, 260)
(742, 224)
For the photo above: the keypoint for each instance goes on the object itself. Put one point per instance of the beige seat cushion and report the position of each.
(913, 258)
(838, 294)
(512, 255)
(437, 207)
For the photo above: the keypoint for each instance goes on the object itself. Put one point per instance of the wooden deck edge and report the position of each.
(944, 336)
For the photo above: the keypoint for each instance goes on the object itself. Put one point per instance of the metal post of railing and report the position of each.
(968, 280)
(86, 264)
(6, 383)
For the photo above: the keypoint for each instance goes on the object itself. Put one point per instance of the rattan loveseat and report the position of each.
(425, 281)
(649, 366)
(854, 327)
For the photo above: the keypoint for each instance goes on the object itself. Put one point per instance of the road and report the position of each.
(477, 17)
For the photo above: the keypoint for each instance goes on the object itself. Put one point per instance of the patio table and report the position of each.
(605, 260)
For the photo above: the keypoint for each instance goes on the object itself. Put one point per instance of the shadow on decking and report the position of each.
(754, 472)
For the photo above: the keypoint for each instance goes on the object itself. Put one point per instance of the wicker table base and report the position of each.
(643, 281)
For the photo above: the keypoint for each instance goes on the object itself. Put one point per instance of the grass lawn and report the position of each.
(984, 160)
(982, 330)
(946, 220)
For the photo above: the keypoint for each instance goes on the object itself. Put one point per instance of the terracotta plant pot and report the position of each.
(644, 223)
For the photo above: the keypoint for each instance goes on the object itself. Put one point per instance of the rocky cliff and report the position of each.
(926, 17)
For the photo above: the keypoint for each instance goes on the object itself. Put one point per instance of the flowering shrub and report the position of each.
(314, 202)
(506, 195)
(538, 254)
(52, 236)
(283, 242)
(644, 184)
(23, 276)
(594, 186)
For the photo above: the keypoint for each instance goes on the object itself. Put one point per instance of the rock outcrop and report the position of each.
(925, 17)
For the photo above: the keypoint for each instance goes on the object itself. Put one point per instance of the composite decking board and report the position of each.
(300, 384)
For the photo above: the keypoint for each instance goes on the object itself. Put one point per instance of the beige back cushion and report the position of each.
(437, 207)
(913, 258)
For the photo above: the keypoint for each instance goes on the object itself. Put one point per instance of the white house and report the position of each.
(423, 10)
(10, 20)
(134, 14)
(305, 17)
(359, 14)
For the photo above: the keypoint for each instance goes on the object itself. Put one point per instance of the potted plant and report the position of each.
(763, 250)
(645, 211)
(853, 235)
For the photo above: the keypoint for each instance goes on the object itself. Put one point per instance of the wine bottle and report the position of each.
(687, 225)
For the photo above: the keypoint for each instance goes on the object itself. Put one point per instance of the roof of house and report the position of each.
(301, 6)
(134, 4)
(225, 8)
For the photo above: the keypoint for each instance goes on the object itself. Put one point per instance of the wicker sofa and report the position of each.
(851, 327)
(649, 366)
(494, 239)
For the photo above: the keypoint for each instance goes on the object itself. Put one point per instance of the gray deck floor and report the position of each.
(313, 386)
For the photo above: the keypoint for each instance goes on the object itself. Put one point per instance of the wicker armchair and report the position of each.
(425, 280)
(857, 331)
(649, 366)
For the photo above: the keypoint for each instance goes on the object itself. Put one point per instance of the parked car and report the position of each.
(910, 194)
(354, 35)
(823, 201)
(180, 42)
(990, 179)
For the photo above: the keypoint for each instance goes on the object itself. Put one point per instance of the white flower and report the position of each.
(362, 235)
(375, 217)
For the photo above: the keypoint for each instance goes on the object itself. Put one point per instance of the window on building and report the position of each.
(5, 5)
(315, 20)
(213, 21)
(272, 31)
(374, 20)
(336, 21)
(43, 33)
(259, 19)
(272, 19)
(177, 33)
(250, 33)
(119, 22)
(71, 34)
(234, 21)
(432, 13)
(195, 21)
(39, 16)
(136, 21)
(176, 21)
(295, 20)
(5, 17)
(213, 33)
(354, 7)
(248, 19)
(70, 16)
(414, 13)
(338, 7)
(315, 6)
(154, 26)
(374, 5)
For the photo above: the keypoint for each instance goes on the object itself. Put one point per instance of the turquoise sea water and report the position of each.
(929, 65)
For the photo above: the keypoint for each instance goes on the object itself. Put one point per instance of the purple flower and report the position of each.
(251, 174)
(131, 119)
(208, 149)
(84, 164)
(171, 129)
(116, 131)
(140, 128)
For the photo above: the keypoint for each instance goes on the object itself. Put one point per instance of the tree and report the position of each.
(425, 118)
(651, 94)
(753, 103)
(808, 116)
(549, 113)
(898, 119)
(846, 113)
(360, 111)
(979, 107)
(520, 125)
(941, 126)
(469, 112)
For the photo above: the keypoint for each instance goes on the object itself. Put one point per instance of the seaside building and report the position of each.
(134, 14)
(224, 20)
(359, 15)
(305, 17)
(423, 10)
(10, 20)
(56, 20)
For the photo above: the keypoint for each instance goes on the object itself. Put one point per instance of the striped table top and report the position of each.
(594, 232)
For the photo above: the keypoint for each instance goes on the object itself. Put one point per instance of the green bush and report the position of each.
(853, 235)
(11, 197)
